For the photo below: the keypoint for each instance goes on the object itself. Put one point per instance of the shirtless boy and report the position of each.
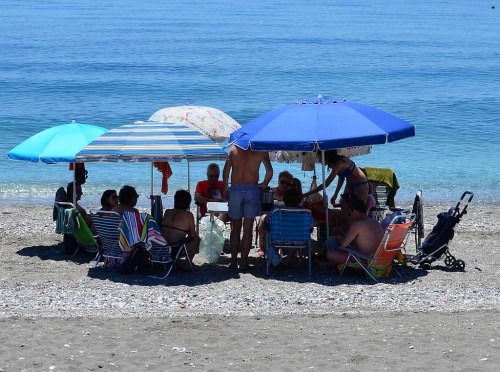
(244, 197)
(364, 235)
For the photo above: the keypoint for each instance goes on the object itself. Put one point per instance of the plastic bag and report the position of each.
(212, 241)
(316, 197)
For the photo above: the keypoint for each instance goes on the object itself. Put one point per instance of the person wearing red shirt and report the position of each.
(210, 190)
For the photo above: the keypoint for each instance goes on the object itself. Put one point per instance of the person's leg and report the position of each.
(246, 242)
(234, 239)
(333, 254)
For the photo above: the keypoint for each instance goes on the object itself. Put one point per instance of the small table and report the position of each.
(216, 207)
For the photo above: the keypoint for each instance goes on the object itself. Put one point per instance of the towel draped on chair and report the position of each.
(138, 227)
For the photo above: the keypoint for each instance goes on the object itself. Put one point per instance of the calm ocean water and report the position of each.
(434, 63)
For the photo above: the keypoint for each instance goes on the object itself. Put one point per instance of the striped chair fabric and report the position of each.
(106, 225)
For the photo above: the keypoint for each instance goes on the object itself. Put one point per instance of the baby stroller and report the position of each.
(437, 242)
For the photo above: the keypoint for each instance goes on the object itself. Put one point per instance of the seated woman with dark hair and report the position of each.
(178, 223)
(109, 200)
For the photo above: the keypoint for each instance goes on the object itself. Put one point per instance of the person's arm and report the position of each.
(225, 175)
(350, 236)
(340, 182)
(269, 170)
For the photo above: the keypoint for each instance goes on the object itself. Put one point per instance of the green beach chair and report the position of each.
(70, 221)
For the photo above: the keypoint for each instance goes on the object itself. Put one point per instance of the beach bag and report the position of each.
(60, 197)
(212, 242)
(139, 258)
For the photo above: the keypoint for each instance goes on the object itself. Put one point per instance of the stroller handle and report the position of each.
(465, 203)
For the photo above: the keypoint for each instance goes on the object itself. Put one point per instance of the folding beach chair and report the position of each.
(380, 264)
(290, 229)
(106, 224)
(162, 254)
(70, 221)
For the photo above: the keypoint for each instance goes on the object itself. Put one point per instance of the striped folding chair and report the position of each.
(290, 229)
(106, 225)
(168, 255)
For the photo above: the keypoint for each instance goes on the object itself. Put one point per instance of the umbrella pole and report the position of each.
(74, 184)
(152, 191)
(189, 175)
(325, 200)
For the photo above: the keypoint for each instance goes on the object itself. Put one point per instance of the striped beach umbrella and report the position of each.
(150, 142)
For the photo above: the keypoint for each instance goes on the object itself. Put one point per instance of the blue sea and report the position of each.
(433, 63)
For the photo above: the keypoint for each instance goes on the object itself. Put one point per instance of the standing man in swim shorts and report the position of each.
(244, 197)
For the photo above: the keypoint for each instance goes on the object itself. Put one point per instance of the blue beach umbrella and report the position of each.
(321, 124)
(151, 142)
(56, 144)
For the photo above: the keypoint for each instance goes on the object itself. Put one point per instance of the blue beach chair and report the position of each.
(290, 229)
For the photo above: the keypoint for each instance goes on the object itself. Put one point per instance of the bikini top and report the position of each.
(346, 173)
(175, 228)
(170, 227)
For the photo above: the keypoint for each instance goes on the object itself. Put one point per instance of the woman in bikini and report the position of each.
(346, 170)
(178, 223)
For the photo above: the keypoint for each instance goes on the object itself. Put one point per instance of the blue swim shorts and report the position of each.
(244, 201)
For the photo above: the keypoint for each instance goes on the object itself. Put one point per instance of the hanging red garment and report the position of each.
(164, 168)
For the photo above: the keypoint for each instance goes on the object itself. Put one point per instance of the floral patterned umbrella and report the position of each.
(215, 124)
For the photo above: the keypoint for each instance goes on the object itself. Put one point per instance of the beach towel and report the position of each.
(66, 222)
(138, 227)
(166, 171)
(157, 208)
(387, 176)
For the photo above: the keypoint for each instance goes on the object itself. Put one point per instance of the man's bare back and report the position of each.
(244, 166)
(364, 235)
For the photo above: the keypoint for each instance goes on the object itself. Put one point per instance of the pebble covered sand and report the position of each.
(38, 279)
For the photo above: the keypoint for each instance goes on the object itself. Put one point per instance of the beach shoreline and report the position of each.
(59, 311)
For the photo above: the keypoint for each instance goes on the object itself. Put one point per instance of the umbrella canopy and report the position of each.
(321, 124)
(57, 144)
(151, 142)
(213, 123)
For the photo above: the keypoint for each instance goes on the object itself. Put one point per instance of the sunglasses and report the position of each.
(213, 176)
(114, 196)
(286, 183)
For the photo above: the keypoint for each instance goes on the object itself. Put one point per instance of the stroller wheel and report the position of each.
(425, 265)
(450, 261)
(460, 265)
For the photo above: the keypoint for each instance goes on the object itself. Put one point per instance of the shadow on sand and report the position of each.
(56, 253)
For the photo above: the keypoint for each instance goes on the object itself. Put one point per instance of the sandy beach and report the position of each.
(60, 313)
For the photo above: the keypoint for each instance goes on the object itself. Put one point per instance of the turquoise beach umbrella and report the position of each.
(56, 144)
